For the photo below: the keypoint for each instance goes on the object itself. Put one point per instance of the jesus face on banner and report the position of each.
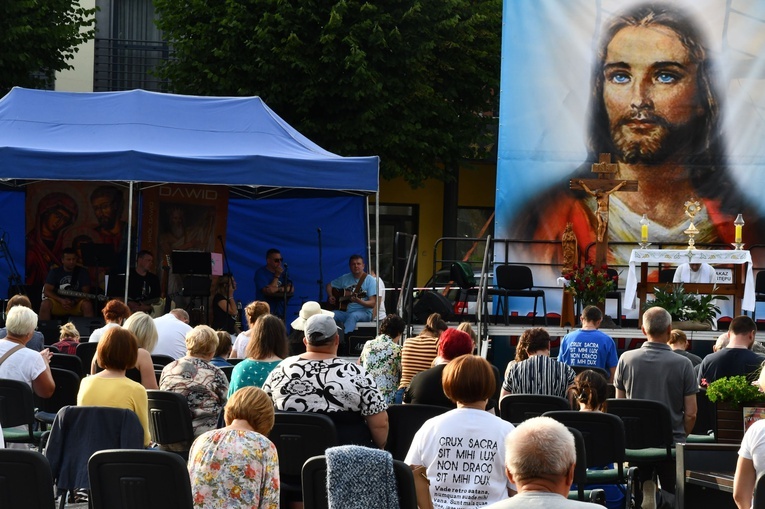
(651, 100)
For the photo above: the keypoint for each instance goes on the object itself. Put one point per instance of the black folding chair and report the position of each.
(297, 437)
(25, 480)
(314, 477)
(403, 422)
(516, 408)
(516, 281)
(170, 421)
(127, 479)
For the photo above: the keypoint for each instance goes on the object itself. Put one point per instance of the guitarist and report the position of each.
(69, 276)
(358, 290)
(143, 288)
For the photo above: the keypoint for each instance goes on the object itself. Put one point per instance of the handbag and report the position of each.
(422, 487)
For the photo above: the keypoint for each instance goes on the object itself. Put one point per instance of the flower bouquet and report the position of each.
(589, 284)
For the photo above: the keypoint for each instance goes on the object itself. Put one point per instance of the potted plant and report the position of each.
(689, 311)
(731, 394)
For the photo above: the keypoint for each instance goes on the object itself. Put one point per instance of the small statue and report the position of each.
(569, 248)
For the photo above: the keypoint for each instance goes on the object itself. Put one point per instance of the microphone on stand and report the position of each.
(285, 266)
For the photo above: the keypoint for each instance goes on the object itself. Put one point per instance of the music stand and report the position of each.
(196, 266)
(97, 255)
(191, 262)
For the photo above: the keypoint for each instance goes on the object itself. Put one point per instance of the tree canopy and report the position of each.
(38, 38)
(407, 80)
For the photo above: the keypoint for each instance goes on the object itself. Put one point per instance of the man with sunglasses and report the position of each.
(271, 283)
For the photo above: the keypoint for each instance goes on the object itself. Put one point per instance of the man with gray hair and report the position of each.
(540, 459)
(655, 372)
(20, 363)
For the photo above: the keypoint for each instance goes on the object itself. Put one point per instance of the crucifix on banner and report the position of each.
(601, 188)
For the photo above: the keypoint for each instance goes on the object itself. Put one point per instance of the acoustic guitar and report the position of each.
(343, 298)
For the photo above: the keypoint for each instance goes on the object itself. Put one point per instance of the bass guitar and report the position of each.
(343, 298)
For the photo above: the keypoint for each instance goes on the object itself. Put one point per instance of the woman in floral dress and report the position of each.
(237, 466)
(381, 356)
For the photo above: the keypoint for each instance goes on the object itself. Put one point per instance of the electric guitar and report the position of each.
(343, 298)
(81, 295)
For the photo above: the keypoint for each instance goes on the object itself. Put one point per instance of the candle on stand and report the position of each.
(739, 223)
(644, 229)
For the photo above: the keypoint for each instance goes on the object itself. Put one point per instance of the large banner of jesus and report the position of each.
(673, 90)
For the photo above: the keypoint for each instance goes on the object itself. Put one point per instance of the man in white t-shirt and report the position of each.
(171, 331)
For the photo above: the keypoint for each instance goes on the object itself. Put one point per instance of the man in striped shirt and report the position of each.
(539, 374)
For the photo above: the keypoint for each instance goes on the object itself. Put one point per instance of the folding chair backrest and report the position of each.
(127, 479)
(299, 436)
(16, 403)
(514, 277)
(65, 361)
(759, 284)
(647, 423)
(517, 408)
(404, 421)
(25, 480)
(603, 435)
(169, 417)
(86, 352)
(67, 387)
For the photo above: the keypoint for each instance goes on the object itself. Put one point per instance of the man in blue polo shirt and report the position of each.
(588, 346)
(360, 293)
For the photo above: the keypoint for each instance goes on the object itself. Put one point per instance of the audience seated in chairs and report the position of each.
(381, 356)
(68, 339)
(541, 458)
(222, 353)
(467, 435)
(265, 350)
(539, 374)
(204, 385)
(310, 382)
(24, 364)
(142, 326)
(237, 466)
(590, 391)
(117, 351)
(426, 387)
(253, 311)
(38, 340)
(115, 313)
(418, 352)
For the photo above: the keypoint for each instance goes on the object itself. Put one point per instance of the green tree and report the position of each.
(407, 80)
(38, 37)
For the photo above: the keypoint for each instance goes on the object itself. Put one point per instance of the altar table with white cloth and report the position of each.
(633, 289)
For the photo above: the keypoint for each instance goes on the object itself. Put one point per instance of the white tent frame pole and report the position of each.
(129, 239)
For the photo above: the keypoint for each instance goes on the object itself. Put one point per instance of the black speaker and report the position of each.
(429, 302)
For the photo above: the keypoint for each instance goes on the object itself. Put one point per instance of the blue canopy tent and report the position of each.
(143, 138)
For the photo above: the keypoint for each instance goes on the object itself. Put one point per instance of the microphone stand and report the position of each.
(321, 271)
(284, 290)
